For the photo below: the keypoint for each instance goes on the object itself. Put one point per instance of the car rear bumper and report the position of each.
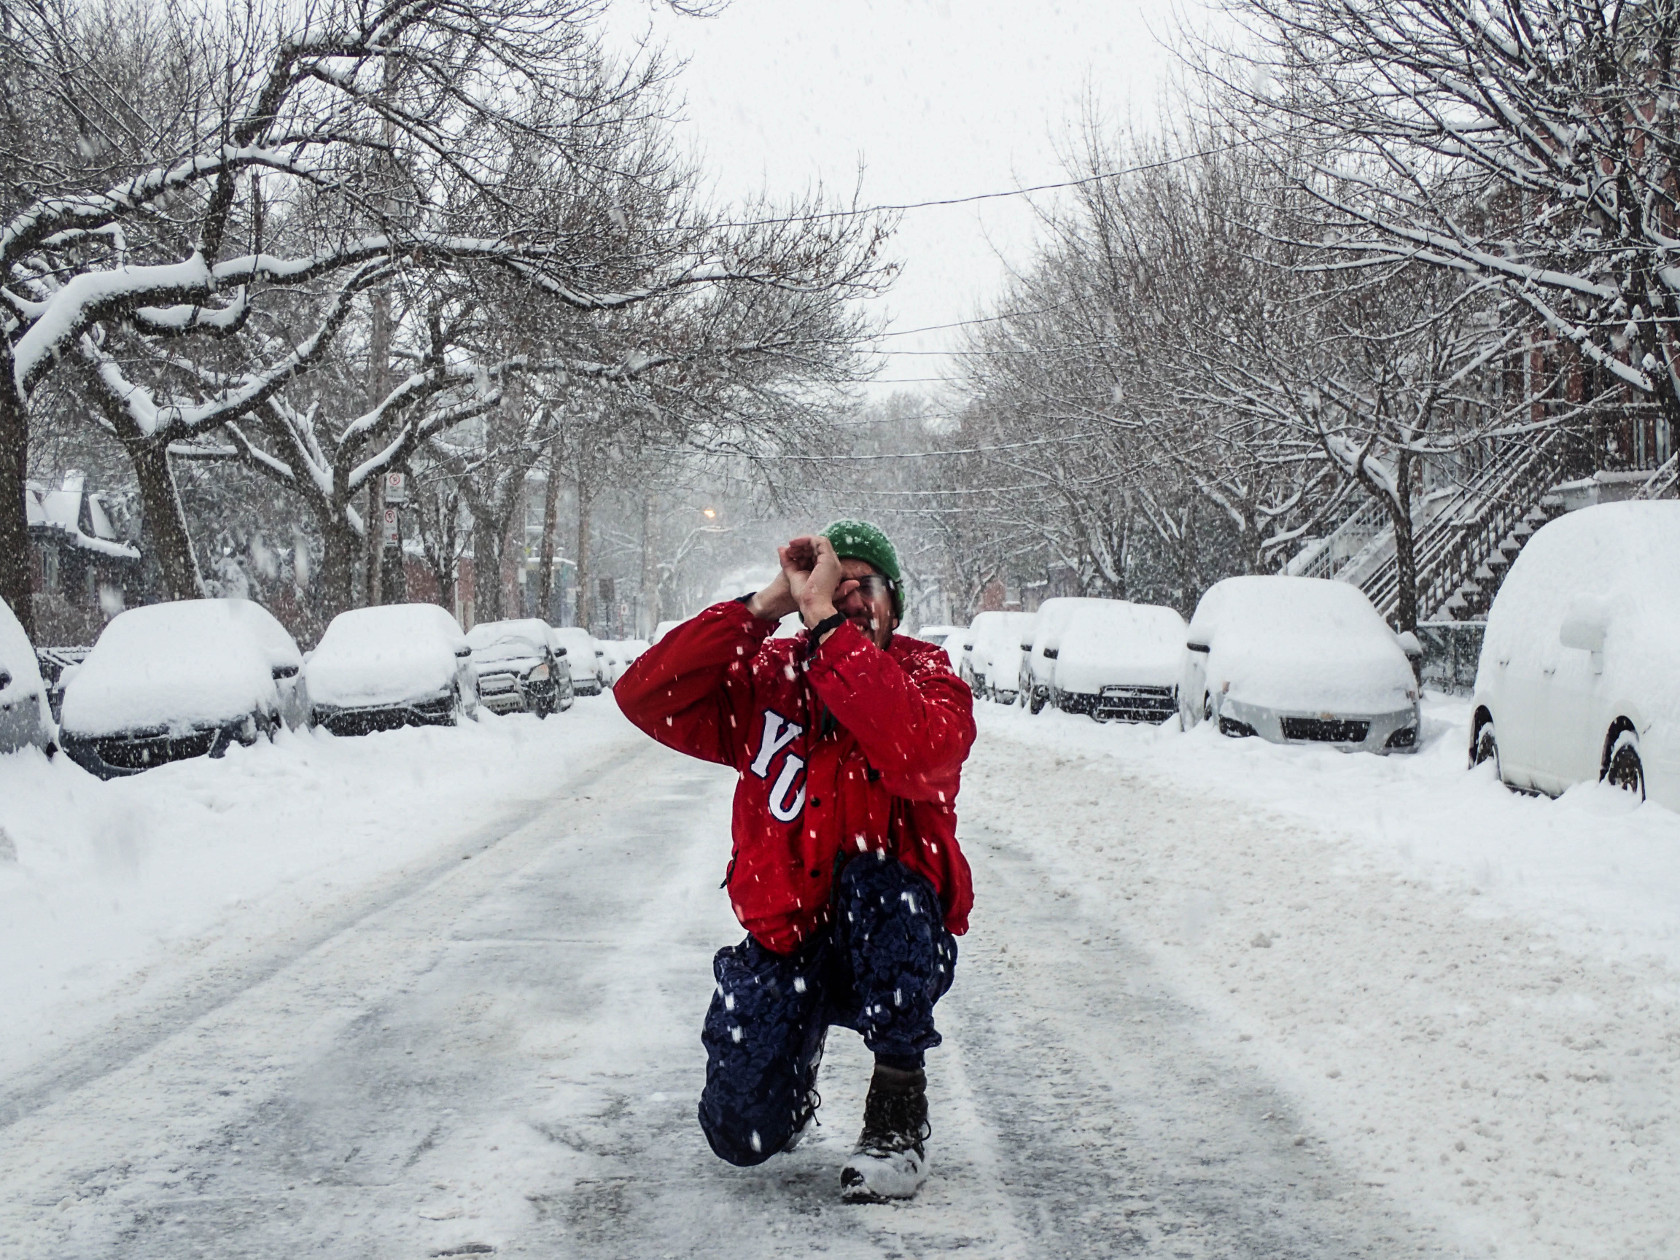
(1395, 731)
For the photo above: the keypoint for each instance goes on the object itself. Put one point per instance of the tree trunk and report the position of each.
(649, 612)
(1405, 551)
(339, 545)
(378, 385)
(165, 520)
(551, 524)
(14, 514)
(585, 612)
(373, 568)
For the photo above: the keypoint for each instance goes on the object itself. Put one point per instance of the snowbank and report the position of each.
(110, 891)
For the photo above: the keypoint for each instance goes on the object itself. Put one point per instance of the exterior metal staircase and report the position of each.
(1463, 542)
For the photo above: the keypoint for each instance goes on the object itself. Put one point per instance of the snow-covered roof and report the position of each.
(77, 516)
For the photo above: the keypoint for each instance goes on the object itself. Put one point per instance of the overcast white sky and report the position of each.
(935, 99)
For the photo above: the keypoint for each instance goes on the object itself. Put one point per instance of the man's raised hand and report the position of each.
(813, 573)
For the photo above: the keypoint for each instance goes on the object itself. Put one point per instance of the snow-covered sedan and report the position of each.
(183, 679)
(1298, 661)
(1577, 679)
(993, 653)
(1119, 660)
(521, 667)
(587, 659)
(393, 665)
(24, 720)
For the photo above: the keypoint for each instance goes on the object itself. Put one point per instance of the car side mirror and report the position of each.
(5, 680)
(1583, 628)
(285, 671)
(559, 651)
(463, 652)
(1197, 647)
(1411, 645)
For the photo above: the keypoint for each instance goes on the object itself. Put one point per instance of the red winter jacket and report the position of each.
(853, 748)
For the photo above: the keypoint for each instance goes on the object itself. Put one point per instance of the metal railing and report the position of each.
(1663, 481)
(1469, 528)
(1371, 519)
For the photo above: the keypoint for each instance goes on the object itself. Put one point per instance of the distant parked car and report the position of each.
(1298, 660)
(521, 667)
(1038, 662)
(587, 659)
(183, 679)
(1578, 678)
(392, 665)
(993, 660)
(664, 628)
(936, 635)
(24, 717)
(1119, 660)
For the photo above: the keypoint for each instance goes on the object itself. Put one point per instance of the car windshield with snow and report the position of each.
(1118, 660)
(586, 657)
(1298, 660)
(389, 666)
(23, 694)
(520, 667)
(1577, 677)
(182, 679)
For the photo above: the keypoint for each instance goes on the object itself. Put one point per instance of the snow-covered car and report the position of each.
(1038, 662)
(992, 656)
(393, 665)
(587, 659)
(521, 667)
(24, 718)
(1119, 660)
(183, 679)
(664, 628)
(1298, 660)
(936, 635)
(1578, 679)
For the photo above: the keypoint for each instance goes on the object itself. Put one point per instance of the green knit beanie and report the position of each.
(859, 540)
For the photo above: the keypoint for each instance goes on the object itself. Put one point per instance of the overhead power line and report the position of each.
(971, 198)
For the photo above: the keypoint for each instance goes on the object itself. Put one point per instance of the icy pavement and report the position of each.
(456, 1012)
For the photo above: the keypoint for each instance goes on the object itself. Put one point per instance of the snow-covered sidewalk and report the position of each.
(1472, 995)
(113, 895)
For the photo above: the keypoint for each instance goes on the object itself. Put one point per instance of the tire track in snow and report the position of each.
(40, 1084)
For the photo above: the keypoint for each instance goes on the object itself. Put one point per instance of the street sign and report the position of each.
(393, 531)
(396, 487)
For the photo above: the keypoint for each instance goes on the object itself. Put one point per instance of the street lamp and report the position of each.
(709, 513)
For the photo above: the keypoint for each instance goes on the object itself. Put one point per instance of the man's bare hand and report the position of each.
(813, 573)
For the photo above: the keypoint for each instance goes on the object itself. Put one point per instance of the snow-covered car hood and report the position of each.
(1340, 676)
(395, 654)
(1111, 642)
(190, 663)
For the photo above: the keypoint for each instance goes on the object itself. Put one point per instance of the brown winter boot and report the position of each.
(890, 1160)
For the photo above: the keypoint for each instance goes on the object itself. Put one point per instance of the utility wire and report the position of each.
(970, 199)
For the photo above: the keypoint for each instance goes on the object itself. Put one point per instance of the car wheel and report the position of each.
(1622, 768)
(1207, 707)
(1036, 704)
(459, 709)
(1485, 747)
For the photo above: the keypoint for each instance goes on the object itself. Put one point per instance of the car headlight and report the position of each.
(539, 674)
(1405, 737)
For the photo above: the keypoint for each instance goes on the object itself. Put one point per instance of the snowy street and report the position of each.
(1186, 1023)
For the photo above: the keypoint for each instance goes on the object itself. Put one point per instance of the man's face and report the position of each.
(866, 599)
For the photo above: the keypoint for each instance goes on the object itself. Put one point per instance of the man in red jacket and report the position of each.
(849, 742)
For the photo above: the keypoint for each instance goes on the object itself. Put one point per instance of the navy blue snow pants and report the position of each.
(878, 970)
